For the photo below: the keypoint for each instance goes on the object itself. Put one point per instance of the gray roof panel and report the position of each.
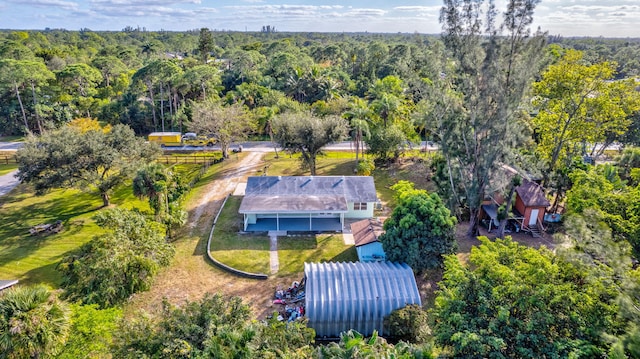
(355, 188)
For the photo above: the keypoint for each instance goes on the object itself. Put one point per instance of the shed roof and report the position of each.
(343, 296)
(306, 193)
(532, 194)
(366, 231)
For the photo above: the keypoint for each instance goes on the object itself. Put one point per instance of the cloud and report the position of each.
(418, 8)
(66, 5)
(144, 2)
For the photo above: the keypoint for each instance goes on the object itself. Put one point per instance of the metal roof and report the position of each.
(306, 193)
(532, 194)
(366, 231)
(343, 296)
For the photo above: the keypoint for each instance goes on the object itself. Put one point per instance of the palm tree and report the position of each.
(34, 323)
(360, 115)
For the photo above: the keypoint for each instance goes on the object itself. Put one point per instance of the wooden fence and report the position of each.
(188, 159)
(6, 159)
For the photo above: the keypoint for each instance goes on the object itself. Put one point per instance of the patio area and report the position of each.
(296, 225)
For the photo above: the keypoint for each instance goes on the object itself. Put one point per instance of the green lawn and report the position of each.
(245, 252)
(250, 253)
(334, 163)
(11, 138)
(4, 169)
(32, 259)
(294, 251)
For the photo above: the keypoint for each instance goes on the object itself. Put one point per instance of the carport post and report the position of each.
(310, 224)
(277, 222)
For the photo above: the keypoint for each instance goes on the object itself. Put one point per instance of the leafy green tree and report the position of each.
(93, 160)
(91, 332)
(578, 106)
(385, 143)
(420, 230)
(491, 67)
(307, 134)
(164, 189)
(214, 327)
(113, 266)
(280, 339)
(80, 82)
(354, 345)
(227, 124)
(600, 189)
(515, 301)
(18, 74)
(34, 323)
(409, 324)
(205, 44)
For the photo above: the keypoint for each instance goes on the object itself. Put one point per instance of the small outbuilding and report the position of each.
(531, 203)
(344, 296)
(306, 203)
(365, 237)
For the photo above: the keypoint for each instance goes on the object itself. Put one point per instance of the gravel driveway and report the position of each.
(7, 182)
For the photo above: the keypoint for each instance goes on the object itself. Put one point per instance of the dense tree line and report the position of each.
(490, 92)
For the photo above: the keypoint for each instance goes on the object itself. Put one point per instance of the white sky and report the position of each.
(608, 18)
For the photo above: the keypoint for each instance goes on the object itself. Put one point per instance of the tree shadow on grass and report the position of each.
(46, 274)
(348, 255)
(297, 243)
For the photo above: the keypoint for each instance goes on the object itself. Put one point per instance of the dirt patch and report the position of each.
(191, 276)
(216, 190)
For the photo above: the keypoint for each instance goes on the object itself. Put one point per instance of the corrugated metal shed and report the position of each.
(343, 296)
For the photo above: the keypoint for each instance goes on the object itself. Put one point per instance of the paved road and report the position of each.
(10, 146)
(8, 182)
(266, 146)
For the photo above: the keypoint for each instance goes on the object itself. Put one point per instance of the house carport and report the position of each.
(294, 213)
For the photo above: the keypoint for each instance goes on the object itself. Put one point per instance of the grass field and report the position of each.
(245, 252)
(294, 251)
(32, 259)
(4, 169)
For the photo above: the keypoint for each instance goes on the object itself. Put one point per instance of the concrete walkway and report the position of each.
(8, 182)
(274, 262)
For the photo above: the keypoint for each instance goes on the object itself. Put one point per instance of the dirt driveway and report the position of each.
(8, 182)
(191, 275)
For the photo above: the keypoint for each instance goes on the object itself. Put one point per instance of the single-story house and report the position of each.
(343, 296)
(306, 203)
(365, 237)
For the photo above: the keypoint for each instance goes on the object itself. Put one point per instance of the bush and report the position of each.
(365, 167)
(409, 324)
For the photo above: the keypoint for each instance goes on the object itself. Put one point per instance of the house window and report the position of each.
(360, 206)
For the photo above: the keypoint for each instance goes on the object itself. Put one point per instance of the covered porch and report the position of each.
(296, 225)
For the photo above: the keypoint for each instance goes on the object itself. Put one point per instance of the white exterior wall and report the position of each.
(251, 218)
(351, 213)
